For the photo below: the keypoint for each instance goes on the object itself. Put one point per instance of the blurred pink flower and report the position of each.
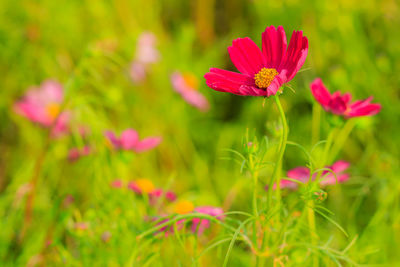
(68, 200)
(42, 105)
(141, 186)
(146, 51)
(302, 174)
(186, 85)
(158, 193)
(81, 226)
(137, 71)
(117, 183)
(340, 104)
(262, 73)
(146, 54)
(129, 140)
(199, 224)
(75, 153)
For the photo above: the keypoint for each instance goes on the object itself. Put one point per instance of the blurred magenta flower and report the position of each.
(145, 186)
(75, 153)
(302, 174)
(146, 53)
(340, 104)
(42, 105)
(199, 224)
(117, 183)
(262, 73)
(186, 85)
(129, 140)
(158, 193)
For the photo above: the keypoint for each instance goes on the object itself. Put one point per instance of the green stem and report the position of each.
(276, 175)
(254, 173)
(313, 229)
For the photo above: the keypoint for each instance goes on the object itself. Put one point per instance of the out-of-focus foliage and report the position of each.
(88, 47)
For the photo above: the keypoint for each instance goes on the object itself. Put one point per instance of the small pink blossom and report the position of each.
(42, 105)
(302, 174)
(186, 85)
(146, 51)
(129, 140)
(199, 224)
(146, 54)
(75, 153)
(81, 226)
(117, 183)
(158, 193)
(341, 104)
(262, 72)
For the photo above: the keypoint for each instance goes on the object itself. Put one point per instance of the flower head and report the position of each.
(262, 73)
(129, 140)
(145, 186)
(146, 54)
(302, 174)
(341, 104)
(183, 207)
(199, 224)
(186, 85)
(141, 186)
(76, 153)
(42, 105)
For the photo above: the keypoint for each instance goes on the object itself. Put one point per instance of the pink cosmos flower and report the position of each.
(157, 193)
(142, 186)
(42, 105)
(186, 85)
(199, 224)
(302, 174)
(117, 183)
(76, 153)
(146, 54)
(341, 104)
(262, 73)
(129, 140)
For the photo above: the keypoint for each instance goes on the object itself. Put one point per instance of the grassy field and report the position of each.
(197, 188)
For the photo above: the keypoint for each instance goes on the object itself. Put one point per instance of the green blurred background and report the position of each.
(354, 46)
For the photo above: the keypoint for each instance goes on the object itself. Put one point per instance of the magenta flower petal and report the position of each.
(295, 55)
(147, 144)
(340, 166)
(227, 81)
(363, 108)
(134, 187)
(274, 45)
(113, 139)
(129, 139)
(188, 91)
(246, 56)
(320, 93)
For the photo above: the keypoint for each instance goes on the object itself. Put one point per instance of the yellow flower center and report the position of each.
(145, 185)
(183, 206)
(53, 110)
(191, 80)
(264, 77)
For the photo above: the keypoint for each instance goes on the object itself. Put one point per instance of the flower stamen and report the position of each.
(265, 77)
